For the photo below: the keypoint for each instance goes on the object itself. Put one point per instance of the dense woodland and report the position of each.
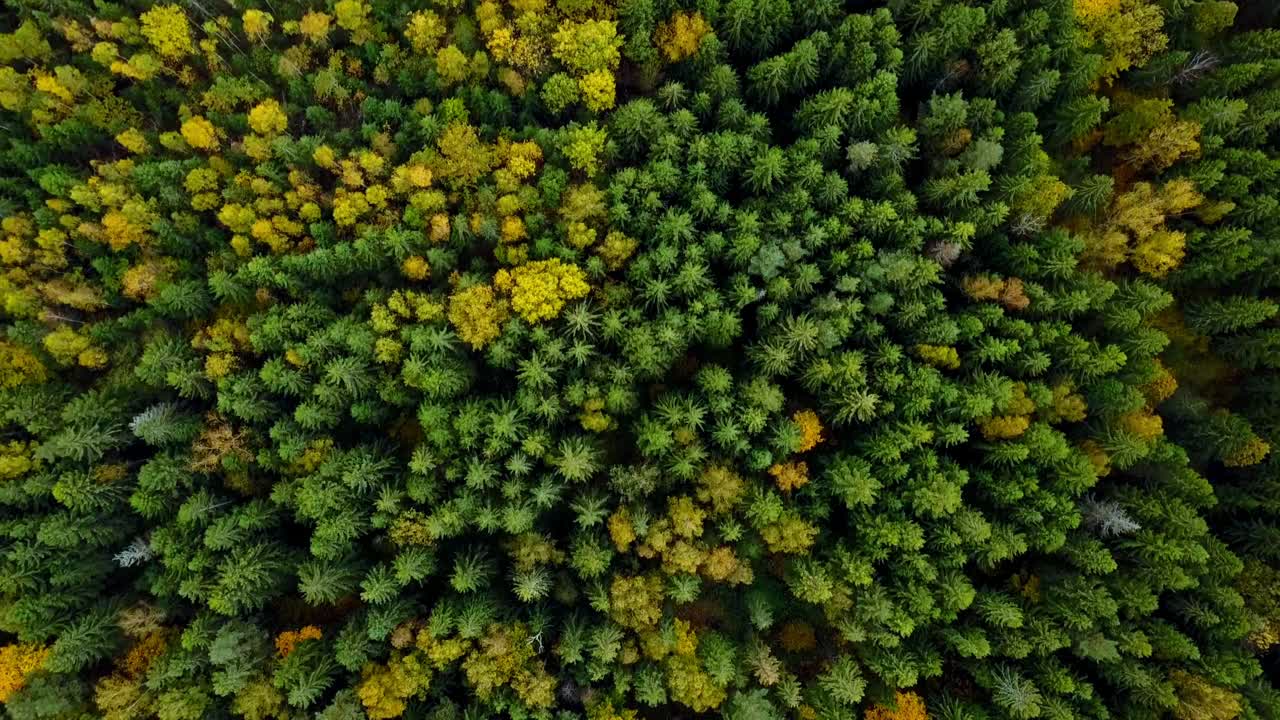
(640, 359)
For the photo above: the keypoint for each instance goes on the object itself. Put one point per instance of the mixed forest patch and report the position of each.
(627, 359)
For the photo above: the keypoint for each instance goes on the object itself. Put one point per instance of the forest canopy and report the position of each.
(639, 359)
